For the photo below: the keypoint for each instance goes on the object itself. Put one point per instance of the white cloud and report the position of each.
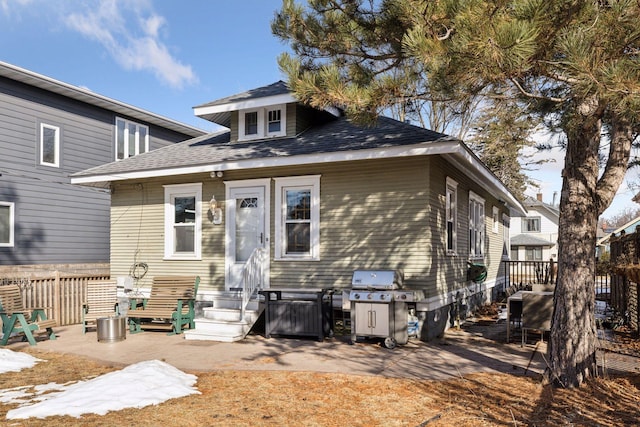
(131, 32)
(9, 6)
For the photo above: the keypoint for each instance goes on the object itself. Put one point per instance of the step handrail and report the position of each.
(251, 277)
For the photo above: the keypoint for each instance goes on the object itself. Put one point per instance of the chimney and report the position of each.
(539, 197)
(555, 195)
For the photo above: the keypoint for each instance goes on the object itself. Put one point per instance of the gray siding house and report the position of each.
(318, 197)
(49, 130)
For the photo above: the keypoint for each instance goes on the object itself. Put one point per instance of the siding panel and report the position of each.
(56, 223)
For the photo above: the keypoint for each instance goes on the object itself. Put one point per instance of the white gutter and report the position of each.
(342, 156)
(454, 151)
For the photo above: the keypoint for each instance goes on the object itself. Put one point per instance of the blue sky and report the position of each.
(163, 56)
(167, 56)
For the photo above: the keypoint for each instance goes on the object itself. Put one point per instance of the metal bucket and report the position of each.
(112, 329)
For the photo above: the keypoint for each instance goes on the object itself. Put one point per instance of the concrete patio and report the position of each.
(477, 347)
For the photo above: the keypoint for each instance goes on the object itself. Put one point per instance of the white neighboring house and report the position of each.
(535, 237)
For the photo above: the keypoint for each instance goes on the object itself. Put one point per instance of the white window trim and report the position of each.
(496, 220)
(474, 198)
(283, 121)
(137, 137)
(263, 122)
(56, 148)
(281, 184)
(531, 218)
(452, 186)
(12, 225)
(182, 190)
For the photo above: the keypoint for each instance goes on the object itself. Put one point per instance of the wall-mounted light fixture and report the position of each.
(216, 212)
(216, 174)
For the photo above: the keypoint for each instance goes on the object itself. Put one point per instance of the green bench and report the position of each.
(20, 320)
(170, 306)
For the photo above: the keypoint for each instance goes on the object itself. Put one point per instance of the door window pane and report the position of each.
(247, 221)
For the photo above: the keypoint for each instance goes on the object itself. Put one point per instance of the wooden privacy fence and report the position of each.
(61, 294)
(625, 276)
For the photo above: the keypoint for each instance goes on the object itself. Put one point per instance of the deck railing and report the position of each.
(252, 276)
(527, 272)
(60, 294)
(523, 273)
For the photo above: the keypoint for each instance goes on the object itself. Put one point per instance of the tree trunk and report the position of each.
(584, 197)
(573, 341)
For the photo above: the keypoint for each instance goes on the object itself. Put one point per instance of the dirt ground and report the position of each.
(268, 398)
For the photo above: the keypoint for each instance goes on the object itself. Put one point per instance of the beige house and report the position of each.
(305, 197)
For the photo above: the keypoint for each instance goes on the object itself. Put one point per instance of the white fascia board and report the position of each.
(341, 156)
(245, 105)
(454, 151)
(468, 162)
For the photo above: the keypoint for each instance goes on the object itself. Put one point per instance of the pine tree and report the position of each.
(577, 63)
(499, 135)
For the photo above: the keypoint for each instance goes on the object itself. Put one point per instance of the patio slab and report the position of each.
(460, 352)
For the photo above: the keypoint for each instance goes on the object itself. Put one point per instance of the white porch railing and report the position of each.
(251, 277)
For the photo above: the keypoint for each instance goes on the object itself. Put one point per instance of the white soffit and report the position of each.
(244, 105)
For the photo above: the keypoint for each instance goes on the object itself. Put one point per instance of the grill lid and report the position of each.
(376, 279)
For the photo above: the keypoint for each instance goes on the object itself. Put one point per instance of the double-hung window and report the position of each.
(263, 122)
(131, 139)
(274, 121)
(49, 145)
(531, 225)
(251, 124)
(533, 253)
(297, 218)
(451, 213)
(7, 218)
(183, 221)
(476, 225)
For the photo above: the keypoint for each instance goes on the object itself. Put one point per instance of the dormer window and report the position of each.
(251, 124)
(274, 124)
(259, 123)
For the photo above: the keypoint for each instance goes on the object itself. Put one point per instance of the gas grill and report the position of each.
(379, 306)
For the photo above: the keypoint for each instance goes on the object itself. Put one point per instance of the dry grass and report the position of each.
(244, 398)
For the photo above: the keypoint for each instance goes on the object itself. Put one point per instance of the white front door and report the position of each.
(247, 227)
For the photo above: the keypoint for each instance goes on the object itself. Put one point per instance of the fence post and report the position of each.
(56, 297)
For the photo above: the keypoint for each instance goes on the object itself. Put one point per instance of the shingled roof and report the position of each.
(529, 240)
(340, 135)
(332, 140)
(219, 111)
